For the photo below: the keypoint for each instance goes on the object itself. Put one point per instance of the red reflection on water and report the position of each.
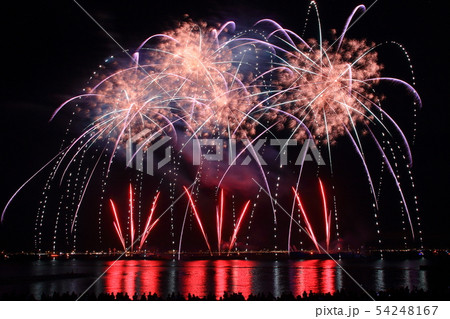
(193, 278)
(328, 276)
(150, 276)
(114, 277)
(242, 275)
(221, 275)
(130, 276)
(313, 275)
(229, 276)
(200, 277)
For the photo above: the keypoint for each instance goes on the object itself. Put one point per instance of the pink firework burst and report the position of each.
(327, 89)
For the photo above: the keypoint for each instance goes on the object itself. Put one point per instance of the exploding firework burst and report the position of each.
(326, 89)
(209, 90)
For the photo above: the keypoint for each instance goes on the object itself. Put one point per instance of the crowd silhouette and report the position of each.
(342, 295)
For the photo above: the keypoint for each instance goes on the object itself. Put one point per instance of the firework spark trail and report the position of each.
(279, 28)
(386, 160)
(308, 225)
(131, 217)
(68, 101)
(86, 145)
(126, 122)
(182, 230)
(417, 99)
(117, 225)
(363, 161)
(326, 215)
(250, 146)
(28, 180)
(294, 200)
(85, 188)
(196, 181)
(148, 226)
(238, 226)
(197, 216)
(141, 146)
(220, 221)
(79, 139)
(73, 144)
(218, 230)
(347, 23)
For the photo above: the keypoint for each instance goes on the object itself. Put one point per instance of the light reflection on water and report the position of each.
(201, 277)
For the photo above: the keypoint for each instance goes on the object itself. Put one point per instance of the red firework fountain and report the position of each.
(194, 209)
(219, 222)
(327, 218)
(219, 216)
(309, 229)
(238, 226)
(327, 215)
(116, 224)
(148, 226)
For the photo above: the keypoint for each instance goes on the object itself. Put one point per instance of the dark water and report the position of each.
(201, 277)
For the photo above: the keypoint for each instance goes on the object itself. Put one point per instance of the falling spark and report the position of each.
(148, 225)
(308, 225)
(220, 221)
(197, 216)
(326, 215)
(131, 218)
(117, 225)
(238, 226)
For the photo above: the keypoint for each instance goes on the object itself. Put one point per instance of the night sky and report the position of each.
(50, 50)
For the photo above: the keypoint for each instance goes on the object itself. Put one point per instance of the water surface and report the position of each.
(201, 277)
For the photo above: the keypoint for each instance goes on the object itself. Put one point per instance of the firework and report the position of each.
(327, 216)
(326, 89)
(197, 216)
(305, 216)
(198, 80)
(220, 221)
(116, 224)
(148, 226)
(238, 226)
